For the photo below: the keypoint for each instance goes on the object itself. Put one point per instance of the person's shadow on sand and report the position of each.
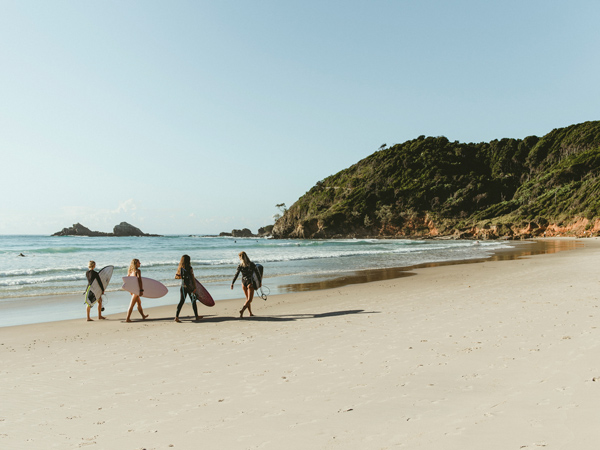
(280, 318)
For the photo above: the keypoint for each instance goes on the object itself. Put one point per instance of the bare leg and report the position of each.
(134, 299)
(140, 310)
(249, 302)
(249, 293)
(100, 316)
(89, 319)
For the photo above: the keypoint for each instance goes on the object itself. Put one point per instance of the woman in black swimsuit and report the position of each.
(92, 275)
(246, 267)
(188, 285)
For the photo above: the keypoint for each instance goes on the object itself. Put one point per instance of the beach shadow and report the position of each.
(150, 319)
(280, 318)
(283, 317)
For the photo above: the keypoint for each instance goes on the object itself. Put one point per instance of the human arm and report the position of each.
(236, 275)
(138, 274)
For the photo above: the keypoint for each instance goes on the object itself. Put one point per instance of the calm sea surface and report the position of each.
(56, 266)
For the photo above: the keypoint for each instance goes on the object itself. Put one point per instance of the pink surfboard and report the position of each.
(152, 288)
(203, 294)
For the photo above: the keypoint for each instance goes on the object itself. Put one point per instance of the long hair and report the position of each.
(133, 266)
(185, 263)
(91, 265)
(245, 259)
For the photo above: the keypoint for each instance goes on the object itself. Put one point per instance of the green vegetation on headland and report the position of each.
(427, 187)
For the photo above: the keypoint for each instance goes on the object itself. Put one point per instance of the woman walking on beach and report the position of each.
(92, 275)
(185, 273)
(247, 268)
(134, 271)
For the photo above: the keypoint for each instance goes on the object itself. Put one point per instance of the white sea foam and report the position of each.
(58, 265)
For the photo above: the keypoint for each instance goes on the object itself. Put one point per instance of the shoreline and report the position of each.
(501, 354)
(54, 308)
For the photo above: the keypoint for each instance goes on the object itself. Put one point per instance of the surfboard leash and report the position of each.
(262, 293)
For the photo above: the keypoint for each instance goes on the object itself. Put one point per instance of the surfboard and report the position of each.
(152, 288)
(257, 276)
(203, 295)
(94, 289)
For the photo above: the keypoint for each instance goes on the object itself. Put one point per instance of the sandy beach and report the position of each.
(495, 355)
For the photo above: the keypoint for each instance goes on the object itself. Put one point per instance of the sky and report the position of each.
(196, 117)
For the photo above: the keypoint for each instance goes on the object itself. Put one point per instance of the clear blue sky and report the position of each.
(200, 116)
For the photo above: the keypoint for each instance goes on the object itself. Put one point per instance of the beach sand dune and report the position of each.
(495, 355)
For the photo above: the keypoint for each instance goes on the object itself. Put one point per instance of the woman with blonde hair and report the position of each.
(247, 268)
(185, 273)
(92, 275)
(134, 271)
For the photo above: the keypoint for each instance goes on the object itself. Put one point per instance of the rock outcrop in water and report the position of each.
(246, 233)
(123, 229)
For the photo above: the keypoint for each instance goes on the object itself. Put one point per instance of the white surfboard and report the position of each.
(152, 288)
(105, 274)
(257, 276)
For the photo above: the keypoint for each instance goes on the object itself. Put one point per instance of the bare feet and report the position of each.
(90, 320)
(102, 318)
(199, 317)
(129, 320)
(144, 316)
(177, 320)
(241, 313)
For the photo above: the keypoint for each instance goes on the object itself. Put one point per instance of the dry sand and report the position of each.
(496, 355)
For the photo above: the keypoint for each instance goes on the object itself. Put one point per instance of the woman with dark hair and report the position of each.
(247, 268)
(185, 273)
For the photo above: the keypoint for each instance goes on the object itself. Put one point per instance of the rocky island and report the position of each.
(122, 230)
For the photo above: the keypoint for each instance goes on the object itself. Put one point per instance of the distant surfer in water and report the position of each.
(247, 268)
(92, 275)
(134, 271)
(185, 273)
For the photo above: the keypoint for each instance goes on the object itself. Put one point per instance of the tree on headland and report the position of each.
(282, 208)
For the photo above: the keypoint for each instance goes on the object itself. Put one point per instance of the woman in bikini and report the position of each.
(134, 271)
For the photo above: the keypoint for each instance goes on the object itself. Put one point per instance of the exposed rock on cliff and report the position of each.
(123, 229)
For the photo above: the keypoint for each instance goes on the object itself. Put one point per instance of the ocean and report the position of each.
(54, 267)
